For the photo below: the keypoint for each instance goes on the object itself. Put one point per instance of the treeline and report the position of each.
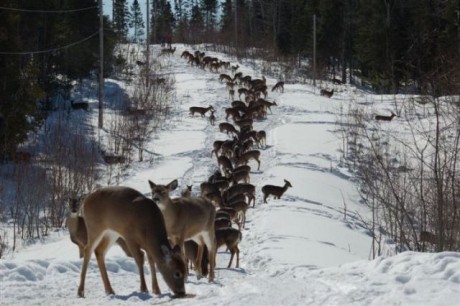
(387, 44)
(44, 46)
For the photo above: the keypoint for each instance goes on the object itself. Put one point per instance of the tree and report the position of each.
(136, 21)
(120, 19)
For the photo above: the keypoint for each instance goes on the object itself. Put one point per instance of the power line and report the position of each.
(53, 49)
(47, 11)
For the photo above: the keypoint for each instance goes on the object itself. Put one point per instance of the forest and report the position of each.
(385, 46)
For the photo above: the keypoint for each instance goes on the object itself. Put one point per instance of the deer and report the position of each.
(200, 110)
(212, 118)
(385, 118)
(267, 104)
(278, 86)
(241, 175)
(187, 192)
(248, 190)
(261, 139)
(188, 219)
(76, 226)
(240, 207)
(191, 252)
(228, 128)
(230, 237)
(225, 77)
(222, 222)
(429, 237)
(121, 212)
(326, 93)
(276, 191)
(246, 156)
(235, 68)
(225, 164)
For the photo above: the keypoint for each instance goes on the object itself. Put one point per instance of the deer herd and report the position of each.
(175, 231)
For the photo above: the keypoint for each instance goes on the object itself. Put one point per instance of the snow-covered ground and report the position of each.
(303, 249)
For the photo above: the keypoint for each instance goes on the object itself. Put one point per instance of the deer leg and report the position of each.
(138, 255)
(88, 250)
(210, 241)
(237, 250)
(199, 258)
(155, 287)
(232, 252)
(100, 251)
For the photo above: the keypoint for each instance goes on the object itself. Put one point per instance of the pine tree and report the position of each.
(120, 19)
(136, 21)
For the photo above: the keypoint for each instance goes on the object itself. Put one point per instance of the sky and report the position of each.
(302, 249)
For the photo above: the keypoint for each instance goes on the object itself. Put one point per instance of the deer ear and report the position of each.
(176, 250)
(152, 184)
(173, 185)
(166, 252)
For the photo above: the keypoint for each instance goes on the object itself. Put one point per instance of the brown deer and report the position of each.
(222, 222)
(201, 110)
(187, 192)
(248, 190)
(278, 86)
(76, 226)
(122, 212)
(235, 68)
(212, 118)
(191, 252)
(230, 237)
(276, 191)
(261, 139)
(228, 128)
(240, 207)
(225, 164)
(326, 93)
(225, 77)
(188, 219)
(385, 118)
(429, 237)
(246, 156)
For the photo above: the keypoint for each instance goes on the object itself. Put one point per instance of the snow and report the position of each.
(308, 248)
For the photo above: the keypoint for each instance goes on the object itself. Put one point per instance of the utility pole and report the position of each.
(101, 66)
(154, 21)
(236, 23)
(314, 50)
(147, 41)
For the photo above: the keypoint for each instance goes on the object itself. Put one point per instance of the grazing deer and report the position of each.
(187, 192)
(240, 176)
(267, 104)
(278, 86)
(246, 156)
(230, 237)
(121, 212)
(225, 77)
(188, 219)
(212, 118)
(385, 118)
(276, 191)
(225, 164)
(200, 110)
(248, 190)
(326, 93)
(228, 128)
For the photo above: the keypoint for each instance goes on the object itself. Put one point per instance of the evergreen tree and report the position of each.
(196, 24)
(163, 20)
(120, 19)
(136, 21)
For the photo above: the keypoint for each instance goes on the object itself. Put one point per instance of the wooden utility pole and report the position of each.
(236, 24)
(101, 66)
(147, 40)
(314, 50)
